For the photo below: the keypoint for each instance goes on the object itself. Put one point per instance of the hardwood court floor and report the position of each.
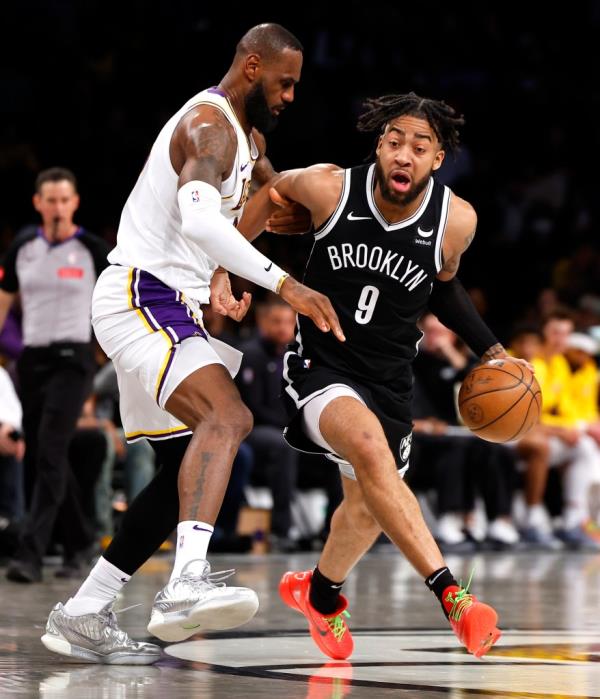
(549, 607)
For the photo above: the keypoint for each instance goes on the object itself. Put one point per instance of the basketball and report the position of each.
(500, 400)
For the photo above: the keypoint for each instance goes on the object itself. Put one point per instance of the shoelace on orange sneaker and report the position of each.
(337, 626)
(460, 601)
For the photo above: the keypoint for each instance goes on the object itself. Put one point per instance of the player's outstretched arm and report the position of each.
(208, 158)
(317, 188)
(292, 219)
(203, 152)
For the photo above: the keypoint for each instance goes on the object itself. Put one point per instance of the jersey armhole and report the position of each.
(439, 261)
(326, 227)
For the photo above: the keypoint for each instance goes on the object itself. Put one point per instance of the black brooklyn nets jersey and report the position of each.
(378, 277)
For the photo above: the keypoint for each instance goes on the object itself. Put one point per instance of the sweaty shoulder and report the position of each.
(204, 136)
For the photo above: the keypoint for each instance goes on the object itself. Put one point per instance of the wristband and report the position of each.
(283, 277)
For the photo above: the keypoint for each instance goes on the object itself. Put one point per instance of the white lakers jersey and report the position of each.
(149, 236)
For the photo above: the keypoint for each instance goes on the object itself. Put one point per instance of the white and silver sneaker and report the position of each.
(200, 601)
(95, 638)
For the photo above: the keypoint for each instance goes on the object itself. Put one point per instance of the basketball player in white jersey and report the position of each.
(177, 227)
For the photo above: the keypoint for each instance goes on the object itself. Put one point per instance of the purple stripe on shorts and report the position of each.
(152, 291)
(162, 306)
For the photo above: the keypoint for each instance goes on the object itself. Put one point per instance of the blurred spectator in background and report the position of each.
(54, 267)
(136, 458)
(259, 381)
(12, 449)
(567, 443)
(533, 449)
(11, 339)
(583, 388)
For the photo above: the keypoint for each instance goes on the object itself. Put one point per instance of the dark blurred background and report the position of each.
(88, 85)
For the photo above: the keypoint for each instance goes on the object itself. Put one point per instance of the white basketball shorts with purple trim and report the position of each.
(155, 338)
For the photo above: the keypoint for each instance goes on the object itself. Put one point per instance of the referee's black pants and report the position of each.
(54, 383)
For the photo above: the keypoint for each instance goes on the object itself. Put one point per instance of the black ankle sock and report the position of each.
(324, 593)
(438, 581)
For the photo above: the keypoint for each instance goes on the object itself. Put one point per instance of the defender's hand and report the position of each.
(290, 218)
(222, 299)
(312, 304)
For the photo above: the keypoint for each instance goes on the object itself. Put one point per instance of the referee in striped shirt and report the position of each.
(53, 267)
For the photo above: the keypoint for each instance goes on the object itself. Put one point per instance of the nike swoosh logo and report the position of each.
(432, 580)
(124, 580)
(424, 234)
(244, 167)
(201, 529)
(269, 267)
(322, 633)
(352, 217)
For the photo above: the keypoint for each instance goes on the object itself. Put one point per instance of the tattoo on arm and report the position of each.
(451, 265)
(494, 352)
(205, 460)
(209, 150)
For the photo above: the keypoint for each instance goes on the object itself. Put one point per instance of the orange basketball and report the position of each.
(500, 400)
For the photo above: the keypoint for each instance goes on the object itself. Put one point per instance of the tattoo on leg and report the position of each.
(205, 460)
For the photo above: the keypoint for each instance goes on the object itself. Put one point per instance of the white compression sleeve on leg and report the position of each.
(203, 223)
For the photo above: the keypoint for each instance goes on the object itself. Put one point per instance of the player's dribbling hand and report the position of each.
(290, 218)
(524, 362)
(313, 304)
(223, 301)
(498, 352)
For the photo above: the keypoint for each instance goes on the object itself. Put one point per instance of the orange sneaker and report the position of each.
(592, 529)
(473, 622)
(328, 631)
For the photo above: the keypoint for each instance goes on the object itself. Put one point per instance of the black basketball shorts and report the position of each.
(303, 382)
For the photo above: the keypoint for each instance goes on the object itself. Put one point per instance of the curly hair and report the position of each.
(441, 117)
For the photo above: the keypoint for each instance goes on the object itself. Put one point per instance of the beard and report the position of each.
(257, 110)
(399, 198)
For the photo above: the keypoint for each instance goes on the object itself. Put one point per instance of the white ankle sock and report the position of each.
(192, 543)
(100, 587)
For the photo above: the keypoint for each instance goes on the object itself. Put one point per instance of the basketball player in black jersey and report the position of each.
(387, 244)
